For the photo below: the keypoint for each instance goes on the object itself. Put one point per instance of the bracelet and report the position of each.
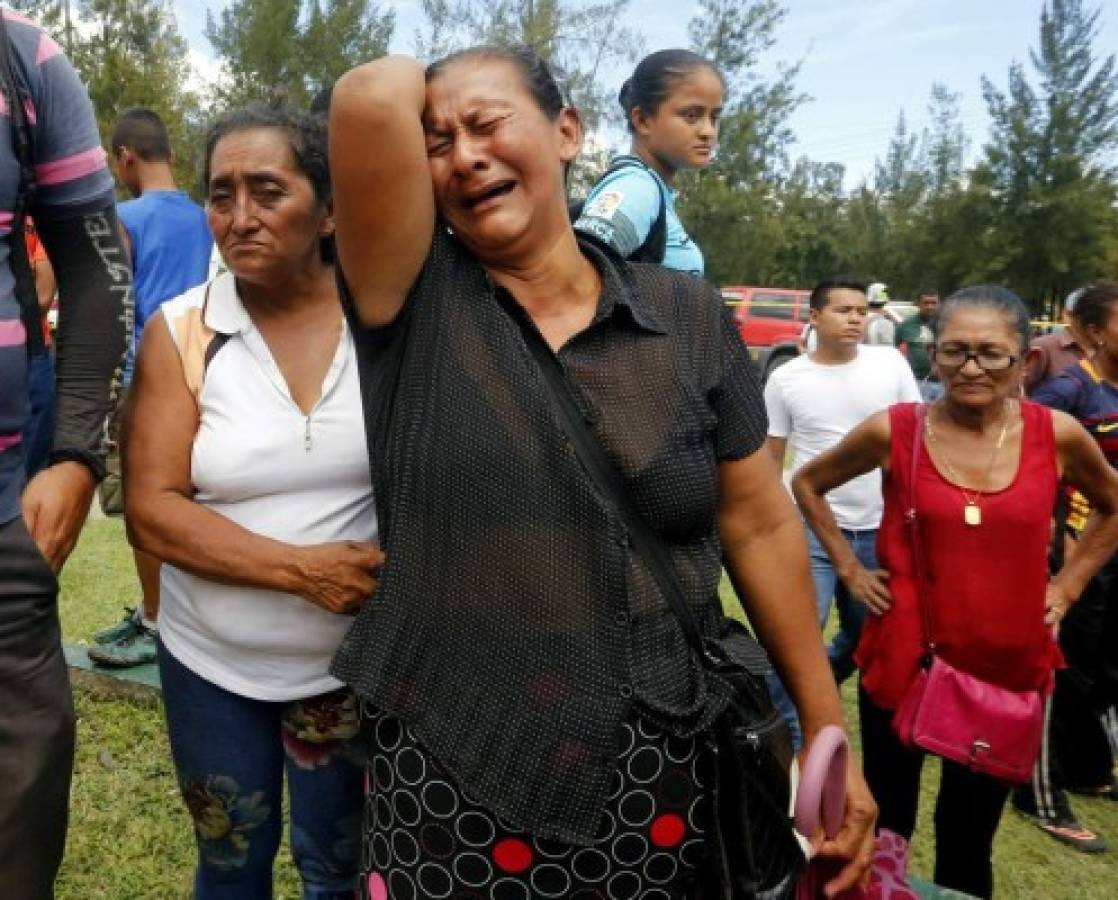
(90, 460)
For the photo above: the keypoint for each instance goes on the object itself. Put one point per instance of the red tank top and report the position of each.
(986, 583)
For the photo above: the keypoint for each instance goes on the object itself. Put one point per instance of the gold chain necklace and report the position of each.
(972, 512)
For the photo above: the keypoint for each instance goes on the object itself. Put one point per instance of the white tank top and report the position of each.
(258, 461)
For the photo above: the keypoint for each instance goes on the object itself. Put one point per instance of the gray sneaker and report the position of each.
(136, 649)
(125, 628)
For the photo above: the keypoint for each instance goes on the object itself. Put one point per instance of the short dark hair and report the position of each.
(534, 72)
(1095, 303)
(143, 132)
(987, 296)
(821, 293)
(928, 292)
(306, 135)
(655, 77)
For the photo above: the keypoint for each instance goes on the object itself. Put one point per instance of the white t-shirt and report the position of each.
(259, 461)
(880, 330)
(814, 406)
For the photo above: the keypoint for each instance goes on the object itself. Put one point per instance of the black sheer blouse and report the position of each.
(512, 629)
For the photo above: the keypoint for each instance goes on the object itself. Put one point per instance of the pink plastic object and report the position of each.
(821, 794)
(820, 803)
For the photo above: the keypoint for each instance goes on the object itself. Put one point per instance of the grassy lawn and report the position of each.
(130, 838)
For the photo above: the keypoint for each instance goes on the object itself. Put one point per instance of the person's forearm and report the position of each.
(204, 543)
(95, 322)
(819, 516)
(1095, 546)
(769, 571)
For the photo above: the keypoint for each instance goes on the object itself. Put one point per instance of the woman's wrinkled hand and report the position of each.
(339, 577)
(853, 845)
(1056, 606)
(869, 587)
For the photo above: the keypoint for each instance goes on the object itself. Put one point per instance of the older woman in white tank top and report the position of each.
(247, 473)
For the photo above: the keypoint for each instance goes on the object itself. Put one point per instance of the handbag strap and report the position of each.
(912, 521)
(606, 477)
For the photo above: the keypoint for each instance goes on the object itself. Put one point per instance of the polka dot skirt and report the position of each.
(424, 838)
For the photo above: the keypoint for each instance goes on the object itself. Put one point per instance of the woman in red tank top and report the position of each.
(986, 483)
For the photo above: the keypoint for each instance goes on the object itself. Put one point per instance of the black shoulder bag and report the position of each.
(753, 852)
(24, 277)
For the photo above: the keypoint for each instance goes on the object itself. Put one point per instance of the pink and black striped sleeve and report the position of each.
(74, 210)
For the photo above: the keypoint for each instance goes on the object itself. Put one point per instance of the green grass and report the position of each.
(130, 838)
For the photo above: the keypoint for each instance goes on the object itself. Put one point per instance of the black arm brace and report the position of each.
(95, 316)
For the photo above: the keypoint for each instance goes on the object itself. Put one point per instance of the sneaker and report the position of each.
(1068, 831)
(125, 628)
(136, 649)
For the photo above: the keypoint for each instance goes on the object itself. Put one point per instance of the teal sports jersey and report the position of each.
(620, 212)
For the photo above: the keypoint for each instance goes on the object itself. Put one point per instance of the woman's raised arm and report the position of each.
(383, 203)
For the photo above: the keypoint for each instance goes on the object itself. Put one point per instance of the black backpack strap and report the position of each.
(22, 147)
(606, 477)
(656, 242)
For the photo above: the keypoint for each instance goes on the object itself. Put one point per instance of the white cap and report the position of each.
(877, 293)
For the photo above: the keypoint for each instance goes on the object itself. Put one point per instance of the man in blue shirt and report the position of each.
(171, 246)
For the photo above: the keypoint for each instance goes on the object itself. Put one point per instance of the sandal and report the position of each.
(1068, 831)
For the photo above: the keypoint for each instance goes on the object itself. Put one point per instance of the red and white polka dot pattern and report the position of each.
(424, 839)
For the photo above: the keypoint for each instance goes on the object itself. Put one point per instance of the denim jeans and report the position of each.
(851, 612)
(38, 432)
(230, 755)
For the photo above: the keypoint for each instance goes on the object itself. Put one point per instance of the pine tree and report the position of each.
(130, 53)
(285, 51)
(755, 137)
(733, 210)
(1048, 166)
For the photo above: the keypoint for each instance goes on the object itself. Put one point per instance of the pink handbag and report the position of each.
(820, 802)
(987, 728)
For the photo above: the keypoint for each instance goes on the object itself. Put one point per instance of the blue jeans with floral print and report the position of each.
(230, 754)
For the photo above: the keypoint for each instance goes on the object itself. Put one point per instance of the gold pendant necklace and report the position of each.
(972, 512)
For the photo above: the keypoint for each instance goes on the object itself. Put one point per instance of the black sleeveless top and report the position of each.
(512, 628)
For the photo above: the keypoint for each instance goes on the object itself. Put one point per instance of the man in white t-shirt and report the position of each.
(812, 403)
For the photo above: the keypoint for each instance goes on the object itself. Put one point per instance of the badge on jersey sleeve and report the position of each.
(604, 205)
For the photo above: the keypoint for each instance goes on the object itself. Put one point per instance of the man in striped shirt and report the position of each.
(39, 522)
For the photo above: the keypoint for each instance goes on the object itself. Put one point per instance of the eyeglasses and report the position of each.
(989, 360)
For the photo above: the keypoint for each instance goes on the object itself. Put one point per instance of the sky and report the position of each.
(862, 61)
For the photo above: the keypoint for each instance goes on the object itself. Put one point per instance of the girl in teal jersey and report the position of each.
(672, 103)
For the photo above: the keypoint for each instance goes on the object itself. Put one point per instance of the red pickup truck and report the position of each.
(770, 321)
